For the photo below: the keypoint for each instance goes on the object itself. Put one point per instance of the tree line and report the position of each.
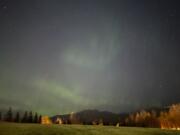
(167, 119)
(28, 117)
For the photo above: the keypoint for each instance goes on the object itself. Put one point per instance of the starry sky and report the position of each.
(59, 56)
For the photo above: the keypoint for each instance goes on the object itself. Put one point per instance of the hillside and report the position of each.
(89, 117)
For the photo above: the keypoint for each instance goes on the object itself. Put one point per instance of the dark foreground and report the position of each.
(37, 129)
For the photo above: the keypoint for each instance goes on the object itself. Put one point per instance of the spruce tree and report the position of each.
(36, 118)
(0, 116)
(9, 115)
(30, 118)
(25, 117)
(39, 119)
(17, 118)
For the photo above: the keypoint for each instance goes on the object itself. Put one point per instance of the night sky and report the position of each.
(59, 56)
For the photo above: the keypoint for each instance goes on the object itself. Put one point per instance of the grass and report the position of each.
(37, 129)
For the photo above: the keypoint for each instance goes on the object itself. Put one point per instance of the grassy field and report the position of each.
(37, 129)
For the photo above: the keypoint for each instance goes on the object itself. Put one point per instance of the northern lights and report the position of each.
(63, 56)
